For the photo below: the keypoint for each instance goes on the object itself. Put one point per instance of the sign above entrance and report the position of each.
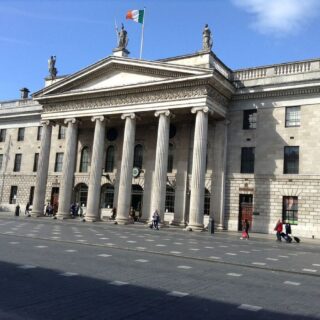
(135, 172)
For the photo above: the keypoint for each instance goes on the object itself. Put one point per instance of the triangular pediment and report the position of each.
(116, 73)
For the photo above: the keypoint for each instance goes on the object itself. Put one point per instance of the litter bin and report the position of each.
(211, 226)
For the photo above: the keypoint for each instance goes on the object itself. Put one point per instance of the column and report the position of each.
(42, 171)
(158, 196)
(68, 167)
(219, 170)
(198, 169)
(125, 184)
(93, 203)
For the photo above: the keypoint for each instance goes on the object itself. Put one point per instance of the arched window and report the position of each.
(110, 159)
(84, 161)
(81, 194)
(138, 156)
(170, 158)
(207, 196)
(107, 196)
(170, 195)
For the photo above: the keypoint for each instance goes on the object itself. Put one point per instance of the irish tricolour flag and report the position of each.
(135, 15)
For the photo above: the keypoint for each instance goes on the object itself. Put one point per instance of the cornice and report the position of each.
(276, 93)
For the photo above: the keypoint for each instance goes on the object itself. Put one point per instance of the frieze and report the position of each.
(129, 99)
(217, 96)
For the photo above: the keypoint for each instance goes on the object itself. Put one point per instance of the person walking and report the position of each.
(246, 226)
(156, 219)
(278, 228)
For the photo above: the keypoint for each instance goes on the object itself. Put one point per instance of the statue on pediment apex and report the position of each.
(206, 39)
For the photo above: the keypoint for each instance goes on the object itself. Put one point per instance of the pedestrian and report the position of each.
(17, 211)
(278, 228)
(114, 213)
(73, 210)
(245, 229)
(288, 228)
(26, 213)
(155, 220)
(132, 214)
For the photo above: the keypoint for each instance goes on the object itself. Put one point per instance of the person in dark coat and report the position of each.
(17, 211)
(288, 228)
(27, 209)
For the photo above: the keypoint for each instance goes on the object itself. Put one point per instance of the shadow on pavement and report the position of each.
(42, 294)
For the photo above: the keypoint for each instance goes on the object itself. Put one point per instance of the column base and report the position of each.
(91, 219)
(63, 216)
(195, 227)
(124, 221)
(178, 223)
(220, 227)
(36, 214)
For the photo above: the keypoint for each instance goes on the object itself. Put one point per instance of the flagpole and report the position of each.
(142, 31)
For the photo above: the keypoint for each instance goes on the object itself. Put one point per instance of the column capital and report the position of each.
(48, 122)
(203, 109)
(128, 115)
(167, 113)
(100, 118)
(72, 120)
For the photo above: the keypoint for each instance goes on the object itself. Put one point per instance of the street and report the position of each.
(54, 269)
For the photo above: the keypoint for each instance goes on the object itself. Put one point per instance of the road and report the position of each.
(72, 270)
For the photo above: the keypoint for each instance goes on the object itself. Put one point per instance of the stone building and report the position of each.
(185, 135)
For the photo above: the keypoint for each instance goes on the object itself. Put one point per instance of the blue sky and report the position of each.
(246, 33)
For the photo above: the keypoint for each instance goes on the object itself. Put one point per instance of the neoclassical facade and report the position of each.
(185, 135)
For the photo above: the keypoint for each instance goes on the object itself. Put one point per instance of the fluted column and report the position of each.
(124, 198)
(42, 171)
(198, 169)
(68, 167)
(93, 203)
(158, 196)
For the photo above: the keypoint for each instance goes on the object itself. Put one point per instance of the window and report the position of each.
(170, 158)
(13, 194)
(293, 117)
(20, 134)
(81, 193)
(3, 135)
(138, 156)
(84, 161)
(17, 162)
(109, 166)
(1, 160)
(39, 134)
(62, 132)
(206, 202)
(107, 195)
(59, 161)
(35, 162)
(250, 119)
(290, 210)
(170, 195)
(31, 195)
(291, 160)
(247, 160)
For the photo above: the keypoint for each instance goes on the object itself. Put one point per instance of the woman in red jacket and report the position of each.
(278, 228)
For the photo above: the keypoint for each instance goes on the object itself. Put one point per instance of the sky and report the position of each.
(246, 33)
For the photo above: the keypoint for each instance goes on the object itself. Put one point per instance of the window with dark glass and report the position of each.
(247, 160)
(291, 160)
(1, 160)
(250, 119)
(13, 194)
(170, 196)
(138, 156)
(206, 202)
(109, 166)
(292, 116)
(17, 162)
(62, 132)
(84, 160)
(59, 161)
(39, 133)
(290, 209)
(31, 195)
(35, 162)
(3, 135)
(21, 134)
(170, 158)
(107, 195)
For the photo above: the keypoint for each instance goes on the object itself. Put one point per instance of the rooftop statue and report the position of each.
(51, 66)
(206, 39)
(122, 38)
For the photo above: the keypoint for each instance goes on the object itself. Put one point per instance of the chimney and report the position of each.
(24, 93)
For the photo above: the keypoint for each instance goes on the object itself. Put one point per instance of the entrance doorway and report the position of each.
(55, 199)
(136, 199)
(245, 209)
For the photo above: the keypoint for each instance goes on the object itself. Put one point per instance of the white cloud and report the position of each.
(279, 17)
